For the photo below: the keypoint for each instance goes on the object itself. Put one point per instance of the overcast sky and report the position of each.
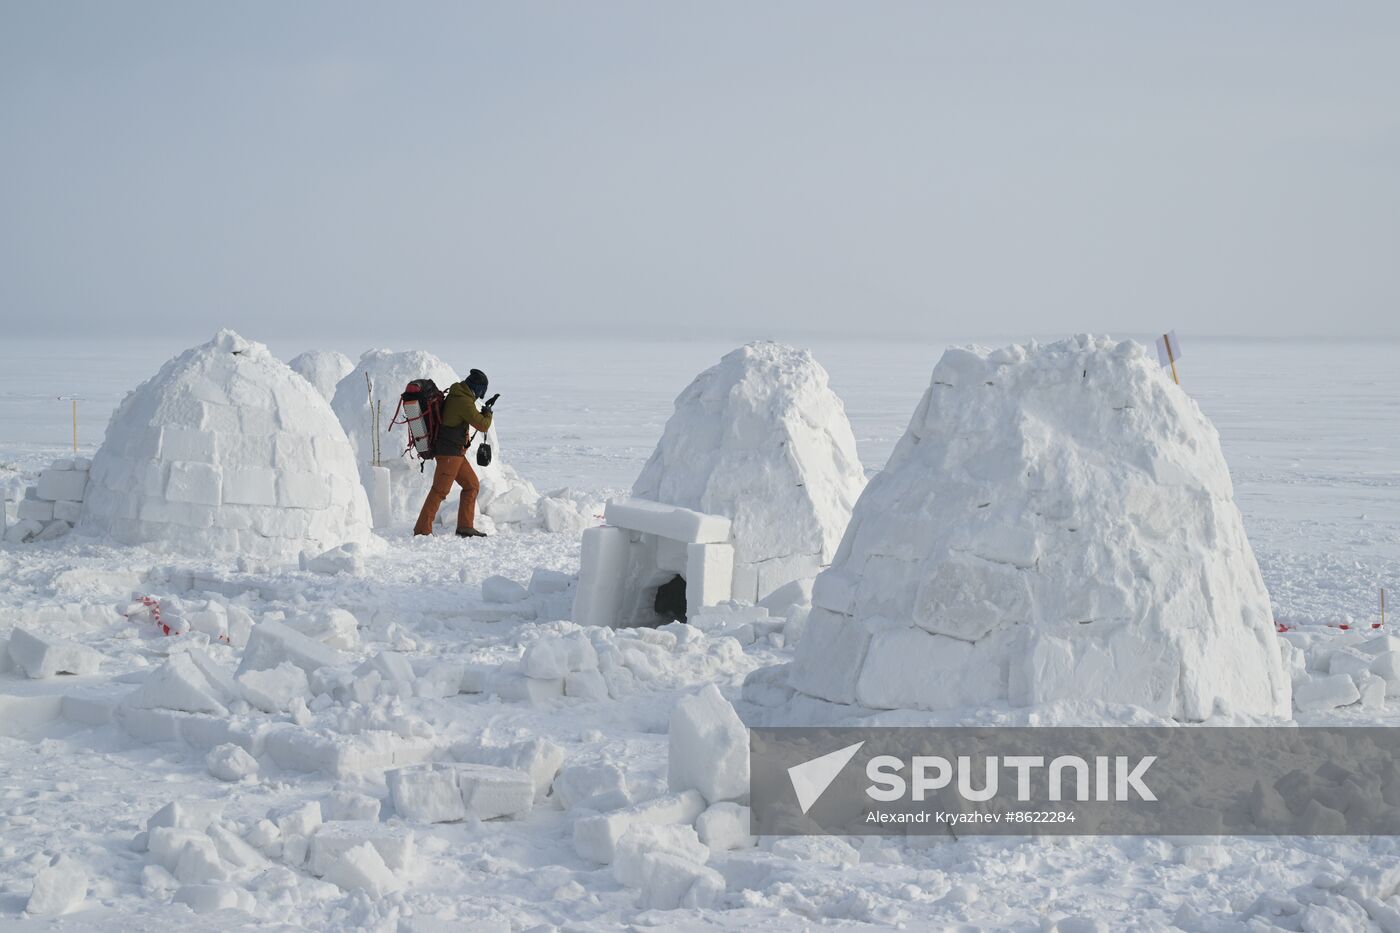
(701, 167)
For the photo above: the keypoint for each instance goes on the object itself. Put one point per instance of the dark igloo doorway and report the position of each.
(670, 600)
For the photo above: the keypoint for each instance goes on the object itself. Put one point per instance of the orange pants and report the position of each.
(450, 470)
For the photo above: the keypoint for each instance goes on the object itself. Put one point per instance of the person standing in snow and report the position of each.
(459, 417)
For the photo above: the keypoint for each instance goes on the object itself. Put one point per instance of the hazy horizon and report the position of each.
(790, 170)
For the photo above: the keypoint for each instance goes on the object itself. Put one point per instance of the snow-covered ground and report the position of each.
(1310, 434)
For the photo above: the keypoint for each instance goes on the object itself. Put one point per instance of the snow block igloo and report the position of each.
(323, 369)
(505, 496)
(1057, 523)
(759, 445)
(226, 451)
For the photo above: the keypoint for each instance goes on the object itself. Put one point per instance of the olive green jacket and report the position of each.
(459, 414)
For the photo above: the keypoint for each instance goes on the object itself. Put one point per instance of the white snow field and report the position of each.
(414, 739)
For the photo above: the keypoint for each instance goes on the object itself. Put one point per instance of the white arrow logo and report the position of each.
(811, 778)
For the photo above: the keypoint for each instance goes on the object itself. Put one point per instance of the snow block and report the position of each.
(709, 747)
(64, 485)
(590, 785)
(212, 898)
(427, 794)
(549, 582)
(498, 589)
(274, 689)
(724, 827)
(516, 687)
(179, 685)
(42, 656)
(185, 814)
(541, 759)
(603, 566)
(585, 685)
(34, 510)
(361, 868)
(829, 657)
(667, 521)
(1326, 692)
(596, 837)
(58, 889)
(644, 841)
(709, 575)
(670, 882)
(346, 805)
(68, 512)
(490, 792)
(272, 642)
(395, 844)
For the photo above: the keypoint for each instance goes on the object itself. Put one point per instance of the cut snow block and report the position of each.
(272, 642)
(541, 759)
(53, 530)
(185, 814)
(829, 657)
(380, 488)
(58, 889)
(349, 806)
(395, 844)
(545, 659)
(603, 566)
(274, 689)
(596, 837)
(490, 792)
(42, 656)
(709, 747)
(498, 589)
(1326, 692)
(361, 868)
(212, 898)
(725, 826)
(177, 684)
(667, 521)
(34, 510)
(515, 686)
(709, 575)
(585, 685)
(23, 530)
(68, 512)
(549, 582)
(645, 840)
(586, 784)
(426, 793)
(670, 882)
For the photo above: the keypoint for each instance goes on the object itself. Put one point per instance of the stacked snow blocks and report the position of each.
(1058, 523)
(396, 486)
(54, 505)
(644, 546)
(762, 440)
(226, 451)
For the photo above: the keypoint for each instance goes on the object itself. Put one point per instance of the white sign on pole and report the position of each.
(1168, 348)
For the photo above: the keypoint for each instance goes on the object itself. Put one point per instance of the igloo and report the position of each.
(226, 451)
(748, 490)
(1057, 523)
(323, 369)
(399, 488)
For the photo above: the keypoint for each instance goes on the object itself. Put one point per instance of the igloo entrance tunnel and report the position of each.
(747, 492)
(1057, 523)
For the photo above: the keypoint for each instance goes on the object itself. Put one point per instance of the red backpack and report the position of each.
(421, 408)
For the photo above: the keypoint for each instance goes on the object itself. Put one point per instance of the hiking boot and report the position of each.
(470, 533)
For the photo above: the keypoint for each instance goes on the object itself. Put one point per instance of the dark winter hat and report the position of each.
(476, 381)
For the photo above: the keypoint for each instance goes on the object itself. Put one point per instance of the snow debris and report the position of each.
(1027, 541)
(362, 868)
(724, 827)
(272, 642)
(226, 452)
(229, 762)
(499, 589)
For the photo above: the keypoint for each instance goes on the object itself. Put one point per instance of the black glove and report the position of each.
(491, 402)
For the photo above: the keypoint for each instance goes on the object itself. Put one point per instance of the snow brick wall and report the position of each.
(52, 506)
(226, 451)
(323, 369)
(506, 497)
(1057, 523)
(761, 439)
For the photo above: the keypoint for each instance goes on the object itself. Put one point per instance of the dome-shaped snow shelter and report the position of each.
(226, 451)
(504, 497)
(761, 439)
(323, 369)
(1057, 523)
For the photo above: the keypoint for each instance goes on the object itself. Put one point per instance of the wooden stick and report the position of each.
(1171, 357)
